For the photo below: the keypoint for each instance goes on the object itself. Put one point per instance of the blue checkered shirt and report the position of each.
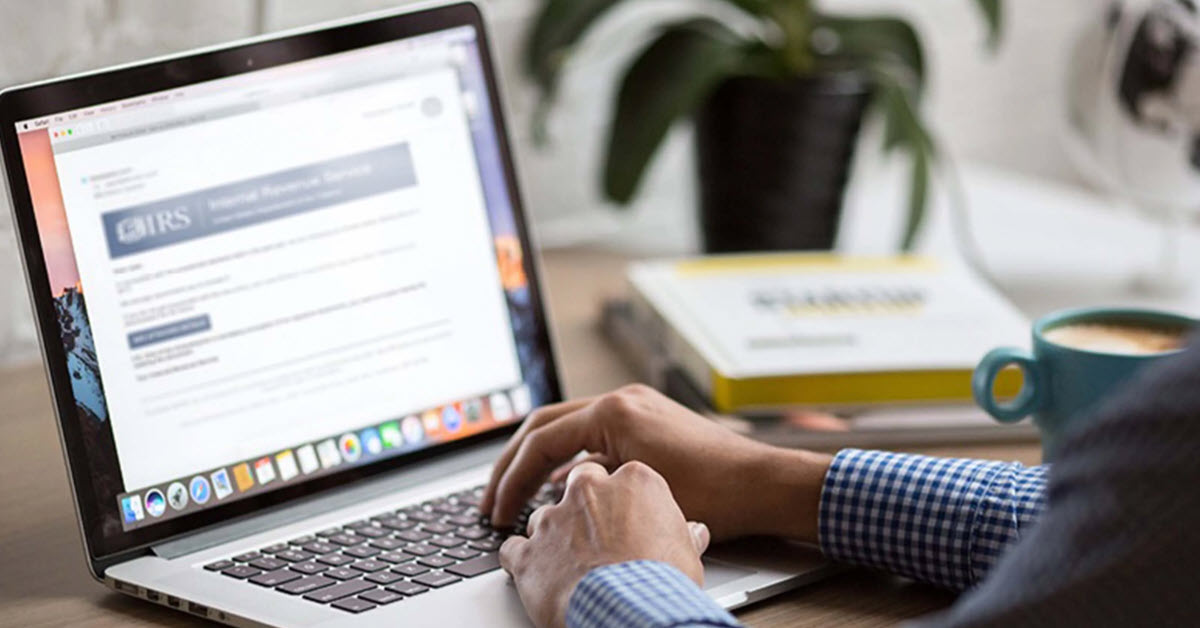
(943, 521)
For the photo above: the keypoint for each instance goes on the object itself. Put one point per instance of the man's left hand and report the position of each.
(602, 520)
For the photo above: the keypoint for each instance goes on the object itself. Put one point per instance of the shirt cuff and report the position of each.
(642, 593)
(939, 520)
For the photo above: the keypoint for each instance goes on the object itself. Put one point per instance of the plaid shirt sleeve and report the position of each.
(939, 520)
(644, 594)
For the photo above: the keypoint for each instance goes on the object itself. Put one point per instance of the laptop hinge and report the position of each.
(338, 498)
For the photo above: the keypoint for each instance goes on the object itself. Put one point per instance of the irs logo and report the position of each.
(132, 229)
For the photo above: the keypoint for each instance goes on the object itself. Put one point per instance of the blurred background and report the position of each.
(1000, 115)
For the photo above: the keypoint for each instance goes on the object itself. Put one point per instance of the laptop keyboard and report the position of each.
(386, 558)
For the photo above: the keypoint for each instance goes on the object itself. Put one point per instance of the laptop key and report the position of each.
(303, 540)
(305, 585)
(420, 549)
(354, 605)
(407, 588)
(383, 577)
(241, 572)
(436, 561)
(485, 545)
(436, 579)
(424, 516)
(328, 532)
(450, 509)
(373, 532)
(463, 520)
(387, 543)
(339, 591)
(347, 539)
(472, 568)
(275, 578)
(397, 524)
(461, 553)
(447, 542)
(220, 565)
(361, 551)
(267, 563)
(410, 570)
(437, 527)
(293, 556)
(395, 557)
(247, 557)
(319, 547)
(342, 573)
(336, 560)
(310, 568)
(370, 566)
(361, 523)
(413, 536)
(277, 547)
(472, 533)
(381, 596)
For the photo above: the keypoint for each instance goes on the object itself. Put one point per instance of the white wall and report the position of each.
(1002, 110)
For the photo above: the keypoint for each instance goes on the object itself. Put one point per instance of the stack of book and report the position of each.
(818, 349)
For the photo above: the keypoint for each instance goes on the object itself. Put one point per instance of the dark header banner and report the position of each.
(258, 200)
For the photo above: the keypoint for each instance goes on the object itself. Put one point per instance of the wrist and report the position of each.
(787, 493)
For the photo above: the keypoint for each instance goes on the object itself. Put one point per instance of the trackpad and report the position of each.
(719, 572)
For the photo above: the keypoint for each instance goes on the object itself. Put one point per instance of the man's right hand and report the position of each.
(735, 485)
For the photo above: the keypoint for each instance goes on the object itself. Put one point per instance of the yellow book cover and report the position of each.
(769, 330)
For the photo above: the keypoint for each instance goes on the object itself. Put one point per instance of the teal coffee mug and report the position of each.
(1089, 353)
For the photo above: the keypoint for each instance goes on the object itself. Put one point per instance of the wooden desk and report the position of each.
(43, 580)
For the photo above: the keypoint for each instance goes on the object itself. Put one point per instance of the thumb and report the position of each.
(700, 536)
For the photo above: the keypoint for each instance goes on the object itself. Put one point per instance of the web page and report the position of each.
(283, 273)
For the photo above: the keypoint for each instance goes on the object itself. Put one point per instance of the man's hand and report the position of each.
(734, 485)
(601, 520)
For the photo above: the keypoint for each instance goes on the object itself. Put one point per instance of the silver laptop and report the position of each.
(289, 310)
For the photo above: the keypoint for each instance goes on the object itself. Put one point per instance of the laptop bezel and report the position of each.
(107, 85)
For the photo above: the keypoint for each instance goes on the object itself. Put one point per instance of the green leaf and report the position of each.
(993, 15)
(558, 27)
(884, 45)
(918, 195)
(911, 136)
(669, 80)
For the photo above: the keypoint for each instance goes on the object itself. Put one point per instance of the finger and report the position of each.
(542, 450)
(535, 520)
(560, 474)
(510, 553)
(535, 420)
(701, 537)
(586, 469)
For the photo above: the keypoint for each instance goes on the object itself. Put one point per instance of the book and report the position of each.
(767, 331)
(866, 426)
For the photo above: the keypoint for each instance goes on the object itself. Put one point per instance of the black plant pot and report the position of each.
(774, 158)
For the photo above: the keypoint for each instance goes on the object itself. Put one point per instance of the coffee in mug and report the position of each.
(1118, 339)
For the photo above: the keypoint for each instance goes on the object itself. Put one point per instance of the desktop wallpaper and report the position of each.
(75, 332)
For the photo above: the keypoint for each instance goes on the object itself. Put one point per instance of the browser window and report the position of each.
(286, 272)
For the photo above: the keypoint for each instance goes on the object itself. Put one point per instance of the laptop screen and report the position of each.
(281, 275)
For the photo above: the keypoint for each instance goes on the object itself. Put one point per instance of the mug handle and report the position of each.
(1032, 390)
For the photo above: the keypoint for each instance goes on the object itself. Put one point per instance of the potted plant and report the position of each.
(777, 107)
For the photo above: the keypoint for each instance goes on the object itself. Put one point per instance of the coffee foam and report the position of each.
(1118, 339)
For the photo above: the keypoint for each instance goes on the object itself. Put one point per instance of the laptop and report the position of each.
(290, 313)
